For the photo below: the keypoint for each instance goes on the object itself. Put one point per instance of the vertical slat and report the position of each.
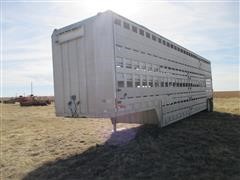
(82, 76)
(73, 69)
(66, 77)
(58, 75)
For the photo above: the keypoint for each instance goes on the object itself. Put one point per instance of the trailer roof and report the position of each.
(76, 25)
(73, 26)
(201, 58)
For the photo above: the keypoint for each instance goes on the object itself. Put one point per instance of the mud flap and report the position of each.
(159, 112)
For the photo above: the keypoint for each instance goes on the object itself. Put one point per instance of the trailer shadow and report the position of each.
(204, 146)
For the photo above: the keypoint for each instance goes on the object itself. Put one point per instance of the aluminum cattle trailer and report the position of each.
(108, 66)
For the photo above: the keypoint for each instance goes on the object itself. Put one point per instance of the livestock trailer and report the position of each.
(108, 66)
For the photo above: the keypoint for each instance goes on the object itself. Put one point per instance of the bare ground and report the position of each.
(37, 145)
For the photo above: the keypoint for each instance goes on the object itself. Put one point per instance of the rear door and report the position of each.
(74, 72)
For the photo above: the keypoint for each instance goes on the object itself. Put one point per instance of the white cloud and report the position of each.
(35, 71)
(226, 77)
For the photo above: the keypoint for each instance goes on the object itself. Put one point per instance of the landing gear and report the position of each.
(114, 123)
(210, 105)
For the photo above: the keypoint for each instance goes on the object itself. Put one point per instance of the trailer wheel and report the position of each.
(210, 105)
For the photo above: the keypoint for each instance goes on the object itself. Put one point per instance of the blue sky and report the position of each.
(210, 29)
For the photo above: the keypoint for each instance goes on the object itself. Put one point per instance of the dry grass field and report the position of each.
(37, 145)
